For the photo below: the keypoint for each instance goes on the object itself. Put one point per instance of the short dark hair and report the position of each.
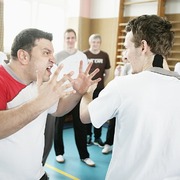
(26, 40)
(70, 30)
(155, 30)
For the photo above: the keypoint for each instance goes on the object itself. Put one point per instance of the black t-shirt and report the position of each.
(101, 61)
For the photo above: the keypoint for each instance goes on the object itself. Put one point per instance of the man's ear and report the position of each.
(144, 45)
(23, 56)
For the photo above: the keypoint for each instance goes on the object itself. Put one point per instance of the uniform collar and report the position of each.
(164, 72)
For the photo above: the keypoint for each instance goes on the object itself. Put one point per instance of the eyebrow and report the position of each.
(46, 49)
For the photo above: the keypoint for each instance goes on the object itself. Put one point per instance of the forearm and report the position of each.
(66, 104)
(84, 112)
(14, 119)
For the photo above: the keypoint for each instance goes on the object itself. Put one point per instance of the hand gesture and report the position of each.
(84, 80)
(51, 91)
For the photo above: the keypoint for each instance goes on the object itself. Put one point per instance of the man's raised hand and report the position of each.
(84, 80)
(51, 91)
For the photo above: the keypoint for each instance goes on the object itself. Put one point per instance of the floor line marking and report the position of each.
(61, 172)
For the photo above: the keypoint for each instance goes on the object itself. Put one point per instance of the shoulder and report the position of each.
(3, 73)
(86, 51)
(81, 53)
(9, 86)
(60, 56)
(104, 53)
(59, 53)
(177, 67)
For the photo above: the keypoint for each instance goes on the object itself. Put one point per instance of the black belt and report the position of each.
(44, 177)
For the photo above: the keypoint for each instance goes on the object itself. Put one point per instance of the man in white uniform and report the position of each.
(27, 95)
(146, 107)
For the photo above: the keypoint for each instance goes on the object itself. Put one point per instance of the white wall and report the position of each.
(172, 7)
(110, 8)
(104, 9)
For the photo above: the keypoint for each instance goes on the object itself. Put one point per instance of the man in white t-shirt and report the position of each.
(145, 105)
(70, 57)
(27, 95)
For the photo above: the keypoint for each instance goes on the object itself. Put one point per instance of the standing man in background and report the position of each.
(100, 60)
(70, 57)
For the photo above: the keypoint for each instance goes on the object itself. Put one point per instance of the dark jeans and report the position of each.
(110, 132)
(97, 131)
(79, 133)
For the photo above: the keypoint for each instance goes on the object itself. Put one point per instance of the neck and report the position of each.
(94, 51)
(148, 62)
(71, 50)
(18, 74)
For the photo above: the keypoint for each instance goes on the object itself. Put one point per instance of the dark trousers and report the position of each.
(97, 131)
(49, 136)
(44, 177)
(79, 134)
(110, 132)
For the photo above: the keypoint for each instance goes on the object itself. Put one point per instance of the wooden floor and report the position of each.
(74, 168)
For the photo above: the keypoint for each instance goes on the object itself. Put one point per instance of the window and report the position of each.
(41, 14)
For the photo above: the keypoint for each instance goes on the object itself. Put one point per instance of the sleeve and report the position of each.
(108, 65)
(85, 61)
(53, 109)
(3, 100)
(105, 106)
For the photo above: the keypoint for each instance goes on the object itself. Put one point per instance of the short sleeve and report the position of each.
(105, 106)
